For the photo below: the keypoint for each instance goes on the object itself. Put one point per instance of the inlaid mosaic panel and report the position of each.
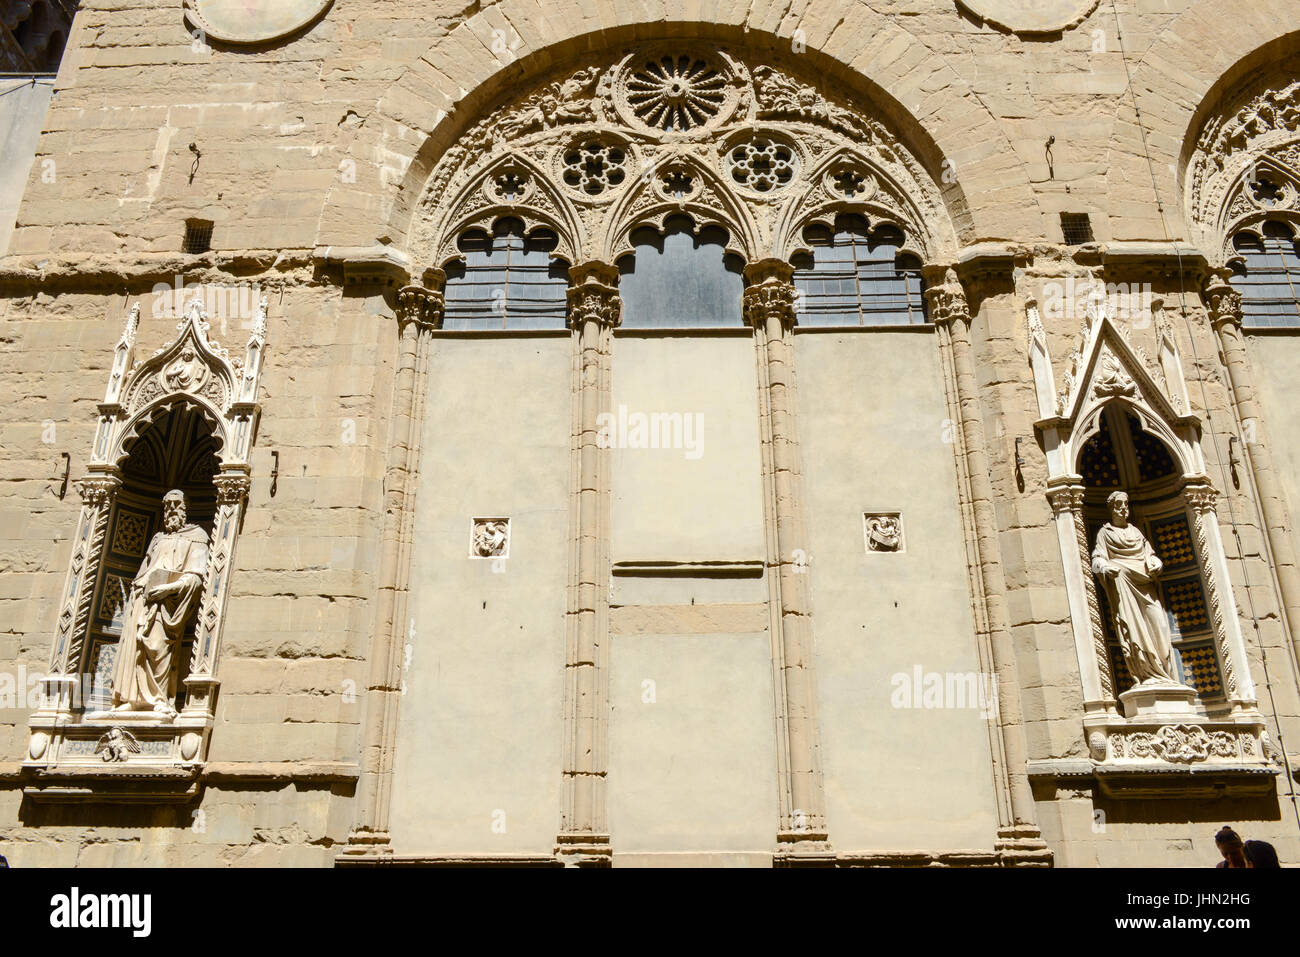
(1201, 669)
(130, 533)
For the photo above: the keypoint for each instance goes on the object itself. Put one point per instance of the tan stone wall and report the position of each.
(327, 139)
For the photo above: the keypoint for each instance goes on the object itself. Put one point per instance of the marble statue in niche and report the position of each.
(162, 599)
(1128, 569)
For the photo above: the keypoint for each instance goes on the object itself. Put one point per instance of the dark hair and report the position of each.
(1227, 835)
(1261, 854)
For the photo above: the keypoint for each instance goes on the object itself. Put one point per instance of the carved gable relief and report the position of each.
(1106, 364)
(594, 151)
(206, 403)
(1246, 164)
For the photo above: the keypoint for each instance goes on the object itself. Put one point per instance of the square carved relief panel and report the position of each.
(883, 531)
(489, 538)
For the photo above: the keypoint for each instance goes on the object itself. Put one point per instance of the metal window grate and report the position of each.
(1076, 228)
(198, 236)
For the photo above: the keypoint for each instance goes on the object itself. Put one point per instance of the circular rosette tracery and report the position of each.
(762, 163)
(675, 94)
(668, 91)
(594, 165)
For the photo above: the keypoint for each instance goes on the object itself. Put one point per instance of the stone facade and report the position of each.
(447, 619)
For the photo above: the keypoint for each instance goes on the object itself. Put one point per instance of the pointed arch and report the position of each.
(431, 107)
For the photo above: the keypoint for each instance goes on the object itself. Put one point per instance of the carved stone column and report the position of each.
(1090, 637)
(1239, 687)
(594, 309)
(1019, 835)
(769, 310)
(232, 498)
(97, 492)
(419, 311)
(1225, 316)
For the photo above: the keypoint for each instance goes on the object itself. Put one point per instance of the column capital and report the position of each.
(232, 486)
(769, 293)
(1065, 498)
(1224, 303)
(423, 304)
(593, 294)
(98, 488)
(947, 300)
(1201, 497)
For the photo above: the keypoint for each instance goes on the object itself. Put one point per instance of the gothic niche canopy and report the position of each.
(669, 129)
(129, 699)
(1150, 591)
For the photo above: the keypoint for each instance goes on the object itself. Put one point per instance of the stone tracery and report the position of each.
(598, 150)
(1246, 163)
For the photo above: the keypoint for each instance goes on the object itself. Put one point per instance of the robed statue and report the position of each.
(1128, 568)
(163, 598)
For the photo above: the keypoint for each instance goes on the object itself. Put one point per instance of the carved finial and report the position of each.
(132, 324)
(259, 321)
(1036, 331)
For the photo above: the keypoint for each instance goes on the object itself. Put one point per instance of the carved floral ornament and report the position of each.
(1246, 165)
(595, 151)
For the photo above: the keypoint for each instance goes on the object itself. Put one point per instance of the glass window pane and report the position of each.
(506, 281)
(680, 280)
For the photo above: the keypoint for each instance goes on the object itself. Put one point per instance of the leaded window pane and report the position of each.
(506, 281)
(1268, 277)
(856, 279)
(681, 279)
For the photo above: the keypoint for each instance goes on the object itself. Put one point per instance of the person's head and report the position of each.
(174, 510)
(1118, 502)
(1260, 854)
(1229, 843)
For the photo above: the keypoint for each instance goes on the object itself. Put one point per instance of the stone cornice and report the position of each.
(247, 772)
(381, 264)
(95, 272)
(995, 259)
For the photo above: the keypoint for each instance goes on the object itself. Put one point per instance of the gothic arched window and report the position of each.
(857, 277)
(680, 278)
(506, 280)
(1267, 274)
